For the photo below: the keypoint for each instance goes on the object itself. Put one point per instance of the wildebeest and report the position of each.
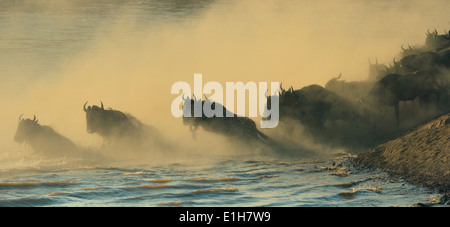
(394, 88)
(411, 50)
(421, 74)
(43, 139)
(423, 61)
(351, 90)
(436, 41)
(238, 128)
(376, 71)
(445, 58)
(118, 128)
(326, 116)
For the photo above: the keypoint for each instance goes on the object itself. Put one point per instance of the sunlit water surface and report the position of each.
(228, 182)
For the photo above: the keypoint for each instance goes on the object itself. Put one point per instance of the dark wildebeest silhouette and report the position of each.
(314, 105)
(236, 127)
(43, 139)
(428, 60)
(411, 51)
(436, 41)
(327, 117)
(376, 71)
(352, 90)
(118, 128)
(395, 88)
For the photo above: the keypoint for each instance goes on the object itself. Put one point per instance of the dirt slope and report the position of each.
(422, 156)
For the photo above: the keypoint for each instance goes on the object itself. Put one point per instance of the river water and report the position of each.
(225, 182)
(39, 38)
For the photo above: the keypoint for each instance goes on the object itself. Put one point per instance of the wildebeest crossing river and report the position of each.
(124, 148)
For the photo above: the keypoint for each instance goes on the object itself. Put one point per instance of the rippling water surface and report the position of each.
(234, 182)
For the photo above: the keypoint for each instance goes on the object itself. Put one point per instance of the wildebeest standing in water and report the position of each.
(239, 129)
(120, 130)
(43, 139)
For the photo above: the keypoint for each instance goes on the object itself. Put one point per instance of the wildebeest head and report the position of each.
(95, 118)
(189, 106)
(285, 97)
(26, 128)
(376, 71)
(334, 83)
(110, 123)
(197, 109)
(434, 40)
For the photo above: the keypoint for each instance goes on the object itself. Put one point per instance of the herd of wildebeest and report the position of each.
(356, 114)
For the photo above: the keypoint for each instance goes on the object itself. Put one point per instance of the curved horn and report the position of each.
(205, 96)
(195, 98)
(34, 119)
(291, 89)
(281, 86)
(184, 99)
(20, 117)
(84, 107)
(102, 105)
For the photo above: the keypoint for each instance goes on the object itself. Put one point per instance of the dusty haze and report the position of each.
(131, 68)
